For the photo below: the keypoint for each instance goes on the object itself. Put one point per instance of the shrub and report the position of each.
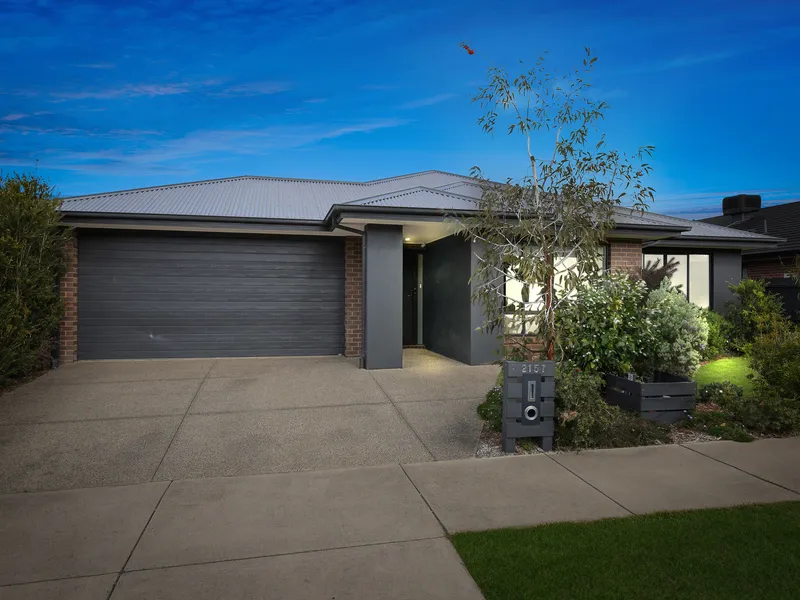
(775, 404)
(719, 424)
(491, 409)
(776, 360)
(602, 329)
(765, 412)
(719, 331)
(31, 261)
(756, 312)
(681, 332)
(720, 393)
(584, 420)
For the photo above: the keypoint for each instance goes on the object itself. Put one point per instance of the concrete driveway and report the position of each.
(126, 422)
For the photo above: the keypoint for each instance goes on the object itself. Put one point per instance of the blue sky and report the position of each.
(110, 95)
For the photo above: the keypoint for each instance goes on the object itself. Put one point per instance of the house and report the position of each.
(773, 264)
(263, 266)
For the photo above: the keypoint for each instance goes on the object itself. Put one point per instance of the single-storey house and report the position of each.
(264, 266)
(774, 264)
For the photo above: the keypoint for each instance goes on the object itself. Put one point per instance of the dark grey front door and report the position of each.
(171, 295)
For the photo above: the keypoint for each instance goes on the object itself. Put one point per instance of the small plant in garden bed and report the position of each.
(491, 409)
(719, 424)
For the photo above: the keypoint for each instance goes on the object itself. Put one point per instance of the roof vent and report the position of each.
(741, 204)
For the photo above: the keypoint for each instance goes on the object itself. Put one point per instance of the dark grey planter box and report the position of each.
(665, 400)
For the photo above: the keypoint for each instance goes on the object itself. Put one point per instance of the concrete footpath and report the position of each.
(371, 532)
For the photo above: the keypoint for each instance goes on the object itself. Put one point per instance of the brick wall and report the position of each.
(625, 256)
(353, 295)
(68, 289)
(768, 269)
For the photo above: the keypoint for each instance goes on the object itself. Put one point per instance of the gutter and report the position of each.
(121, 220)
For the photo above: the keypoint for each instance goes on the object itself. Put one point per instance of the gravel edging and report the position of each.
(489, 443)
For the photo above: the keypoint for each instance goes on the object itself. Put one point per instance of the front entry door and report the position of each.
(410, 292)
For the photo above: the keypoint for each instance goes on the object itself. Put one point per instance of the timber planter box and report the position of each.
(666, 399)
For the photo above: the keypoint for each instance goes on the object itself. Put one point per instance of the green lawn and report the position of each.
(748, 552)
(733, 369)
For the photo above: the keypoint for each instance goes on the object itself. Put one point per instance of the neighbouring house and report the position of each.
(772, 264)
(263, 266)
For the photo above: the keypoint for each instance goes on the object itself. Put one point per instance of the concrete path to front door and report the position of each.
(107, 423)
(368, 532)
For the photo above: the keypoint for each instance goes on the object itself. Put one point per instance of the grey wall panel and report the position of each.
(726, 268)
(485, 347)
(446, 298)
(383, 297)
(172, 295)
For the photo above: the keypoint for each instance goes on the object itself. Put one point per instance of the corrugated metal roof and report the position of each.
(250, 197)
(699, 229)
(310, 200)
(419, 197)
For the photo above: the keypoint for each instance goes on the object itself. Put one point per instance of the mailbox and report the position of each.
(529, 391)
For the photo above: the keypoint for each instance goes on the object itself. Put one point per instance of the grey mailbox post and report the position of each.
(529, 391)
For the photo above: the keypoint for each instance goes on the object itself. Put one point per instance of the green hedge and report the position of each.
(31, 261)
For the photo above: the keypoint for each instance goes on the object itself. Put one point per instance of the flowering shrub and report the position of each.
(603, 328)
(720, 393)
(682, 332)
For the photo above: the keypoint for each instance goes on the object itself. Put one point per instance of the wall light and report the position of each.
(408, 239)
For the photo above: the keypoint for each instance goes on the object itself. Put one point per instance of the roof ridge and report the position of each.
(416, 174)
(153, 187)
(253, 177)
(405, 192)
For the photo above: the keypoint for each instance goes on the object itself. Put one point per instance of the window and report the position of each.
(518, 324)
(700, 279)
(692, 275)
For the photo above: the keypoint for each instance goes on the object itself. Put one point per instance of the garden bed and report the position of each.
(666, 399)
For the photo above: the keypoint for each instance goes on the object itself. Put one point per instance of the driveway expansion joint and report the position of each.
(402, 416)
(68, 578)
(178, 428)
(138, 539)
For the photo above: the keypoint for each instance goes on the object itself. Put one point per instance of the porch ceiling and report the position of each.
(414, 231)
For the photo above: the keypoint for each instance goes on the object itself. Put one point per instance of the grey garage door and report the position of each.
(171, 295)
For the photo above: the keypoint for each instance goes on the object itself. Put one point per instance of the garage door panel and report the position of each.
(162, 295)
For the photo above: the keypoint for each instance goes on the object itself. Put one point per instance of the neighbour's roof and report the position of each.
(701, 230)
(311, 200)
(781, 221)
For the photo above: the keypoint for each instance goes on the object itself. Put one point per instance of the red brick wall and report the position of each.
(625, 256)
(516, 342)
(768, 269)
(353, 295)
(68, 326)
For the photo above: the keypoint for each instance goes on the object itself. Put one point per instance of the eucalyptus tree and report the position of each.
(542, 232)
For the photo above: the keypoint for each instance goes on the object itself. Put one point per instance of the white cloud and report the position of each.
(14, 117)
(195, 147)
(254, 88)
(102, 66)
(149, 90)
(426, 101)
